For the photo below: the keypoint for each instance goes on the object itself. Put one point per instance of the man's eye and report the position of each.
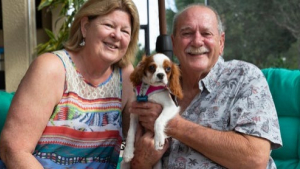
(205, 34)
(186, 33)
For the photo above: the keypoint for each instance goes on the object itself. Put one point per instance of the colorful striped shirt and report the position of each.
(84, 130)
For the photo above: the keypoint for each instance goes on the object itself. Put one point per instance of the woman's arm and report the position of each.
(127, 97)
(38, 93)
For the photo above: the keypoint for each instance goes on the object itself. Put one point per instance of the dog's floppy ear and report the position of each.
(138, 73)
(174, 81)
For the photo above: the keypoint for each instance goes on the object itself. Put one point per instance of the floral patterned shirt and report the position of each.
(234, 97)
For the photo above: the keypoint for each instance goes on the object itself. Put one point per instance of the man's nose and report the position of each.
(198, 39)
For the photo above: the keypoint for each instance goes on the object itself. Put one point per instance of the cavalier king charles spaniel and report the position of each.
(156, 79)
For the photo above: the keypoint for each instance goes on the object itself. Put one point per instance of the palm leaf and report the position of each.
(44, 3)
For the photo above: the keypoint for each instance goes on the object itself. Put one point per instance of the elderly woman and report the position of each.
(67, 111)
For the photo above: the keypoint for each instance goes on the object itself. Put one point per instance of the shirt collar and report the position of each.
(210, 81)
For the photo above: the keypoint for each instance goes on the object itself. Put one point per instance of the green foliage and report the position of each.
(294, 50)
(257, 31)
(139, 55)
(169, 19)
(251, 33)
(287, 15)
(67, 13)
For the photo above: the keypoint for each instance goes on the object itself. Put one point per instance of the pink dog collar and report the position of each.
(143, 90)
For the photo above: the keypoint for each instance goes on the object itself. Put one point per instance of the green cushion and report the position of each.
(285, 88)
(5, 100)
(290, 130)
(119, 162)
(287, 164)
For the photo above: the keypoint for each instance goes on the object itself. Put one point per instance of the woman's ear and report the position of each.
(174, 83)
(83, 25)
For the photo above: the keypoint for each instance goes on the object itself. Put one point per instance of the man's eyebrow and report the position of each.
(185, 28)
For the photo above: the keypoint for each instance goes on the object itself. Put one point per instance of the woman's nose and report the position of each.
(116, 34)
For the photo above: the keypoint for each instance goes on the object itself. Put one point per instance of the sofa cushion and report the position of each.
(285, 88)
(5, 100)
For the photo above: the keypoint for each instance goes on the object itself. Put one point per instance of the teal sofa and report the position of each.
(285, 88)
(5, 100)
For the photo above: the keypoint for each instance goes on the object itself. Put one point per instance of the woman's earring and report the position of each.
(82, 42)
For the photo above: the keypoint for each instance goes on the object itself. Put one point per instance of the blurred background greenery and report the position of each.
(265, 33)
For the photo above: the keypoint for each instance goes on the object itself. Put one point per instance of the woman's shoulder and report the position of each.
(127, 70)
(48, 64)
(45, 72)
(127, 86)
(127, 89)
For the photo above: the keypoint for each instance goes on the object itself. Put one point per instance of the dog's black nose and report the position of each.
(160, 76)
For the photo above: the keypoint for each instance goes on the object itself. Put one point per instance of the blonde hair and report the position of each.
(95, 8)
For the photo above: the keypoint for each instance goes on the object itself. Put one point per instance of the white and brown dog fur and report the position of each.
(155, 70)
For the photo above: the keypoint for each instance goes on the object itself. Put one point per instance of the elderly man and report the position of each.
(227, 119)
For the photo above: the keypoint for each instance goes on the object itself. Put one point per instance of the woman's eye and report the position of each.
(125, 31)
(108, 25)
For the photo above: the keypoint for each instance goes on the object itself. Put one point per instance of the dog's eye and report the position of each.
(152, 68)
(168, 69)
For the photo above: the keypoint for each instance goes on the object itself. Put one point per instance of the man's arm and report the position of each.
(227, 148)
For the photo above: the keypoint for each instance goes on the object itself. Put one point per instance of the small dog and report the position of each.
(156, 79)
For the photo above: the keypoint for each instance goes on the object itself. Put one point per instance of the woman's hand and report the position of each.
(148, 112)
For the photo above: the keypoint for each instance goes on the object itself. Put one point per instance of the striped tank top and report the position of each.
(84, 130)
